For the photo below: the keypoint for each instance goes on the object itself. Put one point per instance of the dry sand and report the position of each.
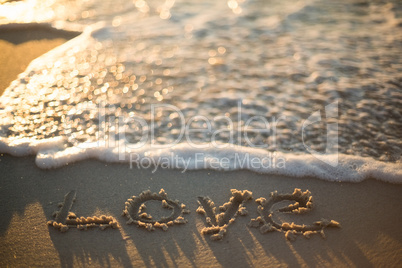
(369, 213)
(19, 46)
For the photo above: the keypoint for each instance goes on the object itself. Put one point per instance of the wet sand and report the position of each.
(19, 46)
(369, 214)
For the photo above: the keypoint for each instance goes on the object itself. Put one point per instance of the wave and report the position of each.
(344, 168)
(207, 65)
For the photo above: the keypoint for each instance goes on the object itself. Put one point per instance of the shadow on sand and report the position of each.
(103, 189)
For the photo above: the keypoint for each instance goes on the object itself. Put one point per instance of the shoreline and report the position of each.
(22, 43)
(367, 212)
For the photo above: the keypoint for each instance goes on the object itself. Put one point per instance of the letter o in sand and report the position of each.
(135, 211)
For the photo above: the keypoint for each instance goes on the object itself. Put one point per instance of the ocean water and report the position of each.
(296, 88)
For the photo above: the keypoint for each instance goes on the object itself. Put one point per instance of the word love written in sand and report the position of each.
(217, 223)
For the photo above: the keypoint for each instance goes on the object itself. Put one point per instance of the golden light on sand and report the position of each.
(221, 89)
(385, 248)
(23, 54)
(26, 230)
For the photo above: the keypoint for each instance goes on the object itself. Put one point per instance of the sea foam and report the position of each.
(260, 89)
(184, 157)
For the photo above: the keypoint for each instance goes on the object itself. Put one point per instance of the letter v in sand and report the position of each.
(218, 223)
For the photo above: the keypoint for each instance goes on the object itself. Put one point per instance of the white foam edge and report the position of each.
(83, 40)
(26, 146)
(51, 154)
(87, 33)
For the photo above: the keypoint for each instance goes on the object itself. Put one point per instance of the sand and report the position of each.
(19, 46)
(368, 212)
(99, 199)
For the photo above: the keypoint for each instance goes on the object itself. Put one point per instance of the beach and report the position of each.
(76, 189)
(20, 46)
(368, 213)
